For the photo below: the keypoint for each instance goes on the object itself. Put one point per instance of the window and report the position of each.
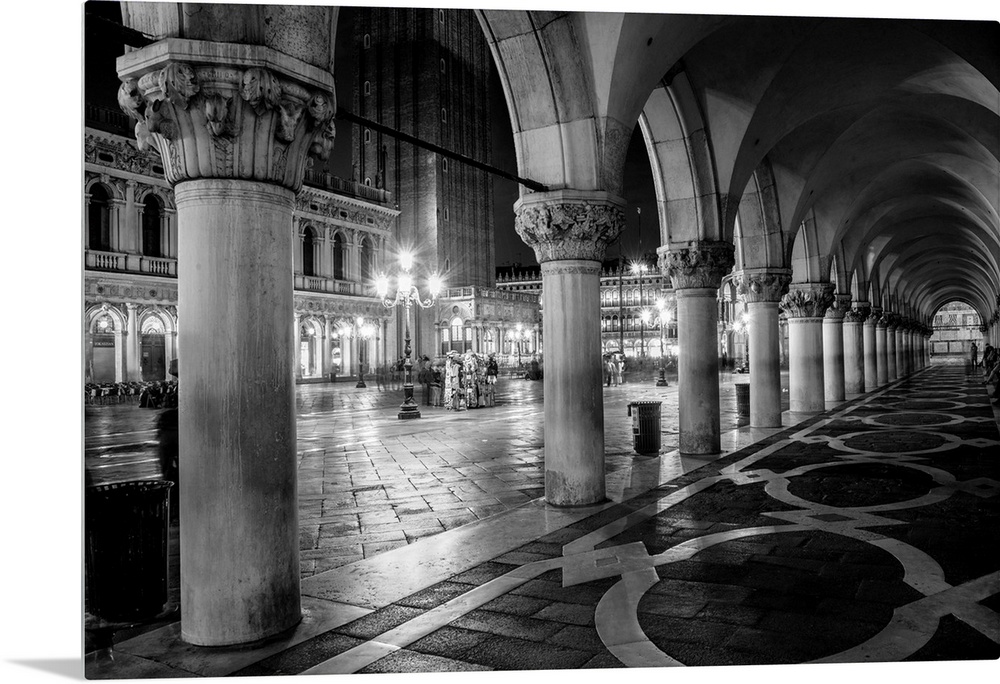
(309, 252)
(446, 214)
(441, 15)
(368, 181)
(99, 219)
(444, 164)
(368, 88)
(151, 219)
(367, 41)
(444, 115)
(367, 259)
(368, 135)
(442, 66)
(338, 257)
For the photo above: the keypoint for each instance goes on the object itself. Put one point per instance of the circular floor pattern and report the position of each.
(858, 485)
(934, 395)
(927, 405)
(914, 419)
(895, 441)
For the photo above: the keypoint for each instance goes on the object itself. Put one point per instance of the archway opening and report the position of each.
(956, 330)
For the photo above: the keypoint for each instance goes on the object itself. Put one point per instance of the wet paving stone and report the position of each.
(954, 640)
(851, 485)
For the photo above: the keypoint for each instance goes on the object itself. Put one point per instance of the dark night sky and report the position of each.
(101, 84)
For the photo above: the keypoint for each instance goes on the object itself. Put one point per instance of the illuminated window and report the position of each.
(368, 88)
(367, 41)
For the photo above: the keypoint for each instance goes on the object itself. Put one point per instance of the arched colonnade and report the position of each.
(848, 171)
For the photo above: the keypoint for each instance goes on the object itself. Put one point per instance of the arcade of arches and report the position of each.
(846, 169)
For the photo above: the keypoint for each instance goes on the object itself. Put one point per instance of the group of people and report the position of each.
(614, 369)
(991, 367)
(465, 380)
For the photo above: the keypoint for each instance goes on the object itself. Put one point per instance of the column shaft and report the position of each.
(882, 368)
(238, 505)
(698, 371)
(854, 358)
(765, 365)
(892, 371)
(574, 404)
(871, 356)
(902, 353)
(133, 351)
(833, 358)
(805, 373)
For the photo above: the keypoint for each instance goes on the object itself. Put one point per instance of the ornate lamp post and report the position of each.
(639, 269)
(359, 330)
(662, 321)
(406, 294)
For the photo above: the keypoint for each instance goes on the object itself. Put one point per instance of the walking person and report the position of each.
(975, 355)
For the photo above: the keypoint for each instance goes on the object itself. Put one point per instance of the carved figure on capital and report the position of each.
(174, 113)
(807, 300)
(569, 230)
(763, 286)
(703, 265)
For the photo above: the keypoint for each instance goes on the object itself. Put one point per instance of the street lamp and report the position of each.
(520, 334)
(639, 269)
(359, 330)
(662, 320)
(406, 294)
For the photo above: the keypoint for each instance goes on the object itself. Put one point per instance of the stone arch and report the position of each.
(757, 224)
(97, 311)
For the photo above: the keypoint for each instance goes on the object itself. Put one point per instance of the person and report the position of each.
(608, 370)
(975, 355)
(424, 376)
(989, 357)
(993, 375)
(492, 369)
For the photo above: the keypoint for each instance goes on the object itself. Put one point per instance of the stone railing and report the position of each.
(105, 261)
(333, 183)
(158, 266)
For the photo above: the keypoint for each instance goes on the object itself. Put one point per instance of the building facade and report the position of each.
(341, 235)
(956, 326)
(426, 73)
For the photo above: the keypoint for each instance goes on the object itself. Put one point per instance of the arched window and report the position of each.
(338, 257)
(309, 252)
(457, 334)
(99, 220)
(368, 87)
(614, 297)
(152, 215)
(614, 323)
(367, 41)
(367, 260)
(629, 298)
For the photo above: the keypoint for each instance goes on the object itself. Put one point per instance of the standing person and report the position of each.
(975, 355)
(618, 369)
(608, 372)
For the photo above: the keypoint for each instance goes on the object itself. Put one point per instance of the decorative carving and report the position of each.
(260, 89)
(569, 230)
(290, 114)
(164, 92)
(216, 108)
(124, 154)
(703, 265)
(178, 83)
(807, 300)
(560, 268)
(763, 286)
(130, 100)
(854, 316)
(323, 146)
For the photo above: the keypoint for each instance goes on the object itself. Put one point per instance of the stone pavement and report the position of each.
(867, 533)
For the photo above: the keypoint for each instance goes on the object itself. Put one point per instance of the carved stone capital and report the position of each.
(763, 285)
(701, 265)
(564, 224)
(840, 307)
(223, 110)
(807, 300)
(892, 320)
(853, 316)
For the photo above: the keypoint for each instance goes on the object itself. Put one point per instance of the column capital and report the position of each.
(228, 111)
(892, 320)
(840, 308)
(807, 300)
(569, 224)
(763, 284)
(700, 264)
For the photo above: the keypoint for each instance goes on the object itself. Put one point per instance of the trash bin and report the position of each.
(126, 556)
(645, 426)
(743, 399)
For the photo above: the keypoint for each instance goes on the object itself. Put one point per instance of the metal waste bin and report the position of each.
(743, 399)
(645, 426)
(126, 552)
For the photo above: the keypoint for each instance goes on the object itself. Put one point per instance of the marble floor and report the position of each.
(868, 533)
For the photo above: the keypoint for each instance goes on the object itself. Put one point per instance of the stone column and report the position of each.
(696, 273)
(805, 306)
(871, 355)
(833, 349)
(903, 349)
(854, 353)
(569, 231)
(133, 350)
(234, 124)
(762, 289)
(891, 326)
(882, 376)
(925, 346)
